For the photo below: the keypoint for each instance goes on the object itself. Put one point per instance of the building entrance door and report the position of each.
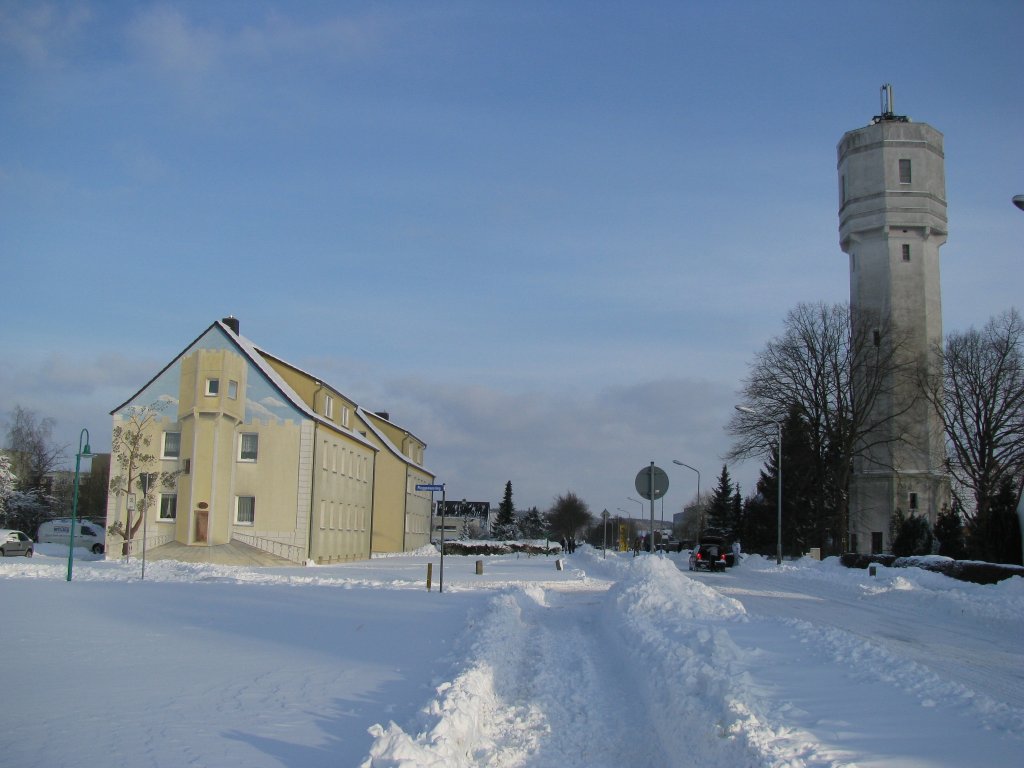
(202, 525)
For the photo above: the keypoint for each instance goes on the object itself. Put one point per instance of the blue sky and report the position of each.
(548, 237)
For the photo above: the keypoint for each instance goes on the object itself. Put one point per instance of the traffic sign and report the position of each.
(424, 487)
(651, 482)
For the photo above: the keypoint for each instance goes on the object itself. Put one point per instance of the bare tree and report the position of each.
(569, 514)
(831, 371)
(32, 451)
(980, 399)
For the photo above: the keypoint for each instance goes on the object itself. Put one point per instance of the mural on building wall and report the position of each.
(263, 401)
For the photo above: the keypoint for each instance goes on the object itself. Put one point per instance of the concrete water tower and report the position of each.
(892, 222)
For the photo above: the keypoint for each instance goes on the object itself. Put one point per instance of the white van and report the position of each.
(87, 534)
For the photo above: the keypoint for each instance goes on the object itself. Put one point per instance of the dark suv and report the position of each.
(709, 556)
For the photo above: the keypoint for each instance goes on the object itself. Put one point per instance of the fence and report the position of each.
(287, 551)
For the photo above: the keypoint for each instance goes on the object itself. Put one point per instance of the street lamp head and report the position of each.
(1018, 200)
(745, 409)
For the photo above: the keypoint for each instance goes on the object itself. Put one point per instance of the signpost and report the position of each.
(432, 487)
(651, 483)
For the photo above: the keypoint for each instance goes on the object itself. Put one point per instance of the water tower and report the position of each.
(892, 222)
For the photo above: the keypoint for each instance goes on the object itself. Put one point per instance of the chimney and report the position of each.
(232, 322)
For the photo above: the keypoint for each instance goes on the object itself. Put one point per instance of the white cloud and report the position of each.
(41, 33)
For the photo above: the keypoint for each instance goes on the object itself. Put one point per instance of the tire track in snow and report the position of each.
(546, 687)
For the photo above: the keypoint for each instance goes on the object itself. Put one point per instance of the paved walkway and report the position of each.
(233, 553)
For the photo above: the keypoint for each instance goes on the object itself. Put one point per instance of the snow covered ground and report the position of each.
(610, 662)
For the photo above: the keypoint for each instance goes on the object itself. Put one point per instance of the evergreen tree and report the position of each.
(911, 535)
(995, 532)
(949, 532)
(505, 527)
(719, 520)
(533, 526)
(737, 515)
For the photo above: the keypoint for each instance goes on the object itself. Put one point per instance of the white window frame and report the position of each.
(232, 389)
(238, 510)
(328, 406)
(163, 446)
(212, 386)
(168, 497)
(241, 447)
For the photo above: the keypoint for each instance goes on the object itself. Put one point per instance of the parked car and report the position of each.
(709, 556)
(87, 534)
(14, 543)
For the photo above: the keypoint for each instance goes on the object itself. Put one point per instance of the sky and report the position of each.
(548, 238)
(606, 662)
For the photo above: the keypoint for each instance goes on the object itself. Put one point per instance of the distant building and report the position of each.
(271, 456)
(892, 222)
(462, 519)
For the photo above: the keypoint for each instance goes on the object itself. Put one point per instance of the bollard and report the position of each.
(479, 567)
(558, 564)
(430, 570)
(871, 570)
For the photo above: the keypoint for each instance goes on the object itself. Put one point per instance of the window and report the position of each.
(245, 510)
(344, 416)
(172, 445)
(233, 389)
(904, 171)
(906, 251)
(248, 446)
(212, 387)
(168, 506)
(329, 407)
(913, 502)
(876, 337)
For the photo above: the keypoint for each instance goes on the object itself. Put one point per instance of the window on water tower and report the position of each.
(905, 172)
(906, 251)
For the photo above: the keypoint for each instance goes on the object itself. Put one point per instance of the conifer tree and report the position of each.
(533, 526)
(505, 526)
(720, 511)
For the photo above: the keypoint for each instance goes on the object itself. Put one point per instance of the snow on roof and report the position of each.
(364, 415)
(254, 354)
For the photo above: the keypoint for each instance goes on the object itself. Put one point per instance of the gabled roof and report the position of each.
(249, 351)
(365, 415)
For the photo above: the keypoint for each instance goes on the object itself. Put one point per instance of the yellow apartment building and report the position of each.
(247, 448)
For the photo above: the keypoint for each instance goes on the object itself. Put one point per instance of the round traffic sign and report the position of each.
(651, 482)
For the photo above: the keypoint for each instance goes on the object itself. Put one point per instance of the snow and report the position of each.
(616, 661)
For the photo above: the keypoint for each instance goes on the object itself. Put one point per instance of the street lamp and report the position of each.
(778, 522)
(1018, 200)
(83, 453)
(681, 464)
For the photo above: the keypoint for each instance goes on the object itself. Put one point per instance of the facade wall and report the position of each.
(343, 501)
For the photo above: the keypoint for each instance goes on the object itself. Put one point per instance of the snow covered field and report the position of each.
(610, 662)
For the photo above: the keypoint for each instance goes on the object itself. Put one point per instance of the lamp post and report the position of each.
(778, 522)
(604, 546)
(86, 453)
(683, 464)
